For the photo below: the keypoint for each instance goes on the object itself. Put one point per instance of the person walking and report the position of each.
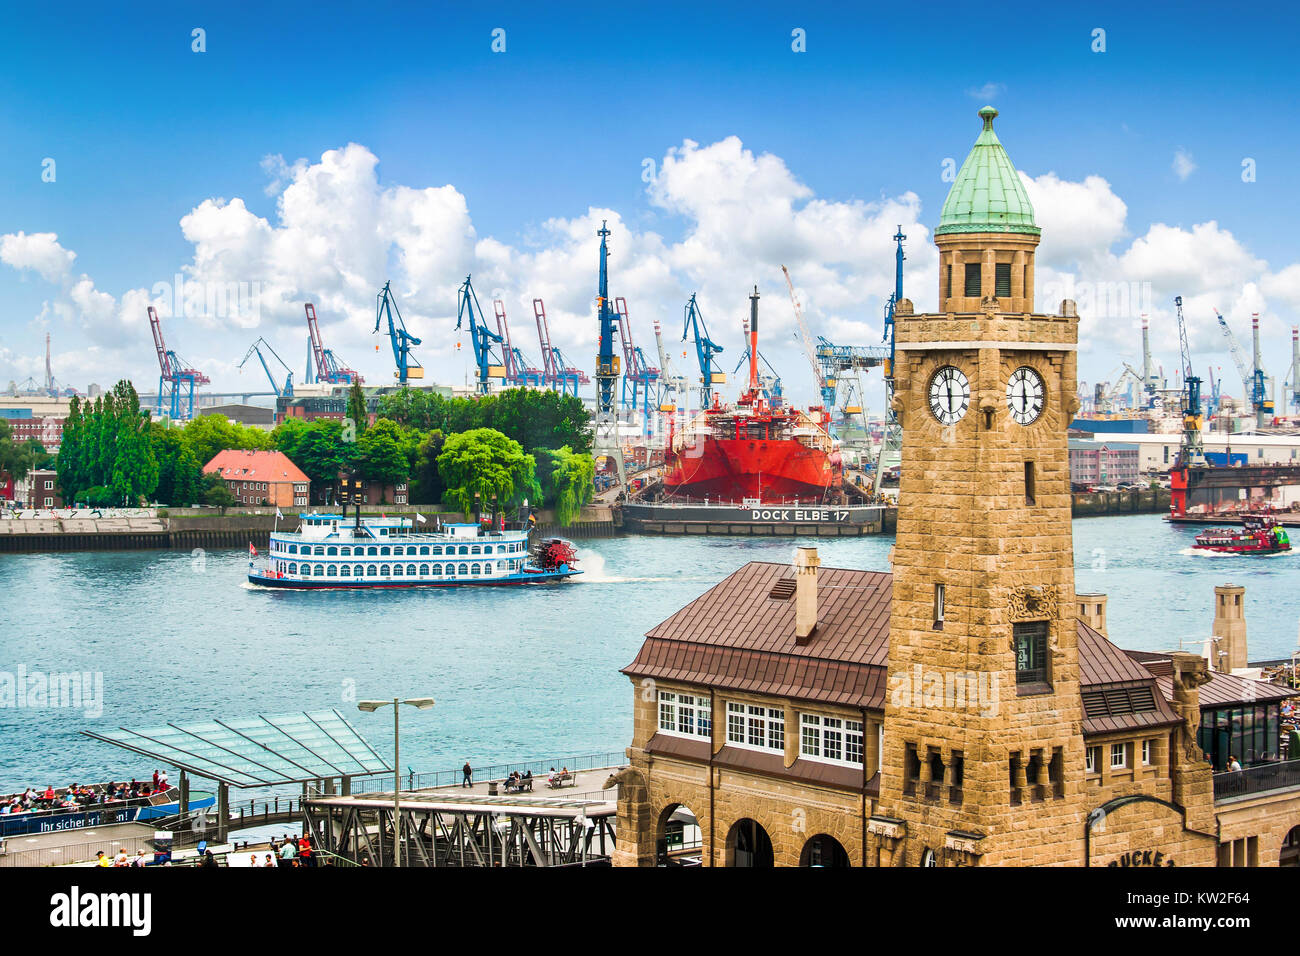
(288, 852)
(468, 772)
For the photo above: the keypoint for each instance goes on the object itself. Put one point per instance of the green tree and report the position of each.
(316, 447)
(381, 453)
(567, 479)
(214, 492)
(208, 434)
(357, 408)
(487, 465)
(134, 469)
(426, 487)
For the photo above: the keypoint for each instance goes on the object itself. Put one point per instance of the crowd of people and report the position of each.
(83, 796)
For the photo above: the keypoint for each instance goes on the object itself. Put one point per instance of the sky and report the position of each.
(290, 153)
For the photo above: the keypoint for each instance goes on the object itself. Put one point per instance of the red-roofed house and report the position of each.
(261, 477)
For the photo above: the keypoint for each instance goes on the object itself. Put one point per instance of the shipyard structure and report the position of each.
(968, 708)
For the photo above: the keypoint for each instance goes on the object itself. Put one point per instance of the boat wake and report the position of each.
(595, 571)
(1206, 553)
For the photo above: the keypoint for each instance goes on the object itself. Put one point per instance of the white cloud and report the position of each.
(987, 92)
(39, 252)
(1183, 164)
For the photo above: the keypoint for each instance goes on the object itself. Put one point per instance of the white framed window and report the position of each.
(831, 739)
(49, 502)
(1091, 760)
(755, 726)
(1118, 756)
(1146, 753)
(684, 715)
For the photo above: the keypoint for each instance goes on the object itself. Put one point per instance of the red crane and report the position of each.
(328, 367)
(557, 373)
(174, 375)
(518, 371)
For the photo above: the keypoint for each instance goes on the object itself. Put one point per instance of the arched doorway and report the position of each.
(824, 851)
(1290, 855)
(678, 839)
(748, 845)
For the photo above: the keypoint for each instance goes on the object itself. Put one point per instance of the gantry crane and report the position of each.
(705, 350)
(402, 340)
(481, 337)
(638, 373)
(519, 371)
(672, 383)
(285, 391)
(327, 367)
(1252, 379)
(557, 373)
(175, 376)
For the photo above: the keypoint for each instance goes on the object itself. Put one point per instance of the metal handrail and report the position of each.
(383, 782)
(1278, 775)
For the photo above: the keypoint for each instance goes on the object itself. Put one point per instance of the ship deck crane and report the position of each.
(705, 350)
(481, 337)
(176, 379)
(402, 340)
(284, 391)
(519, 371)
(327, 366)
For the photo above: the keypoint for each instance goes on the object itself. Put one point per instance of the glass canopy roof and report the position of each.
(256, 751)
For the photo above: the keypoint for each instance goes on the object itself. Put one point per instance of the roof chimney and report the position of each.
(1092, 611)
(806, 564)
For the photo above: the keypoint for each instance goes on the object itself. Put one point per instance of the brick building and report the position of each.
(1103, 463)
(40, 489)
(967, 708)
(261, 477)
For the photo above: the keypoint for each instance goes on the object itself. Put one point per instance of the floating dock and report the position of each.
(763, 519)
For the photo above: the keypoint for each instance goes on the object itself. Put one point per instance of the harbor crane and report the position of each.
(1192, 451)
(557, 373)
(402, 340)
(1293, 380)
(519, 371)
(1252, 379)
(826, 386)
(672, 384)
(176, 379)
(481, 337)
(638, 373)
(892, 443)
(608, 442)
(327, 367)
(769, 383)
(705, 350)
(285, 391)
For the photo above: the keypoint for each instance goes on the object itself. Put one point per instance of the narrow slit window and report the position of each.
(938, 607)
(1031, 492)
(948, 285)
(973, 280)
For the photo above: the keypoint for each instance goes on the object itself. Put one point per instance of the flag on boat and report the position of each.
(252, 551)
(277, 513)
(421, 518)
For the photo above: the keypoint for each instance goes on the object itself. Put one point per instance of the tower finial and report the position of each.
(987, 114)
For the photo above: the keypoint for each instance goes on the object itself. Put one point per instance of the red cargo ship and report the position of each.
(753, 449)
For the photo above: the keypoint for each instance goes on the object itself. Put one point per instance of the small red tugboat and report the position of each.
(1259, 534)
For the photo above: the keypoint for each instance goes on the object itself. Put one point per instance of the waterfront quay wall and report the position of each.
(186, 529)
(1131, 501)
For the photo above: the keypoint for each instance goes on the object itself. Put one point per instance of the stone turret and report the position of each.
(1229, 627)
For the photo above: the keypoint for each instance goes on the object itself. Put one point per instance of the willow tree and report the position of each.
(484, 465)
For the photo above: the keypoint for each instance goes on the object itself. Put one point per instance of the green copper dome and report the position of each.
(988, 195)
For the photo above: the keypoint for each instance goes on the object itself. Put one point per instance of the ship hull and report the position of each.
(735, 469)
(268, 580)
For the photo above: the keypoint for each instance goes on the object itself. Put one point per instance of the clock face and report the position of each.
(1025, 395)
(949, 395)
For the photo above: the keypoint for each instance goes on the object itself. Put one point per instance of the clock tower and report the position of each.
(983, 717)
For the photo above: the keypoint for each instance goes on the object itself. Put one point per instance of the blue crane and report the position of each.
(386, 307)
(771, 383)
(481, 337)
(705, 350)
(280, 392)
(1192, 451)
(638, 373)
(607, 364)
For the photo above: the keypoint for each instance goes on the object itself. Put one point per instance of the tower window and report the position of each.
(938, 607)
(972, 280)
(947, 294)
(1031, 490)
(1002, 280)
(1030, 640)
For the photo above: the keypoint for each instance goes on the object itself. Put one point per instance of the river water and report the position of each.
(517, 672)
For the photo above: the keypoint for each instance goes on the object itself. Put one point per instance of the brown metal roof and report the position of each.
(1224, 690)
(736, 637)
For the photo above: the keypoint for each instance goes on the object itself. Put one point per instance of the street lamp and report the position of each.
(370, 706)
